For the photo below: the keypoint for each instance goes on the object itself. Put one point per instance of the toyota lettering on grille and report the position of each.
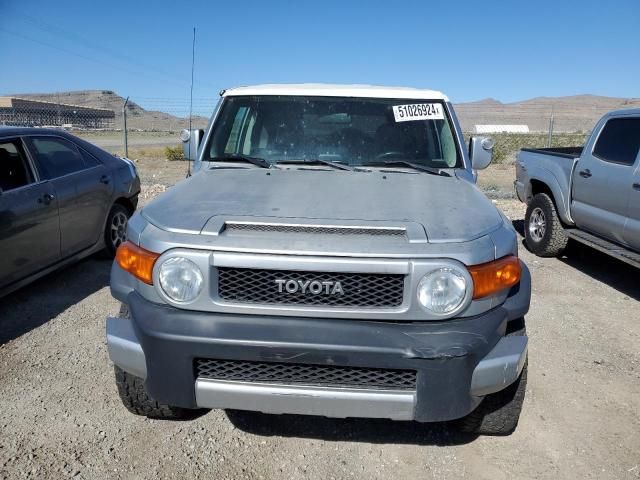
(315, 287)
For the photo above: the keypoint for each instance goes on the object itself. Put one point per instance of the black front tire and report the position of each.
(115, 230)
(499, 412)
(134, 394)
(551, 239)
(135, 398)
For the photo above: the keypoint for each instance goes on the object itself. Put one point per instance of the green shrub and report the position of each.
(174, 153)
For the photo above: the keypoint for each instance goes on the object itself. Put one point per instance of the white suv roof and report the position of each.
(328, 90)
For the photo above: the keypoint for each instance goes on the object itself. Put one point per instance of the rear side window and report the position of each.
(89, 159)
(14, 168)
(57, 157)
(619, 141)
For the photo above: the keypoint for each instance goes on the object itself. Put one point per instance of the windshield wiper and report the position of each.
(406, 163)
(317, 161)
(239, 157)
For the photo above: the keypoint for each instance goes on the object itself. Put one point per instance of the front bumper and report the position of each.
(457, 361)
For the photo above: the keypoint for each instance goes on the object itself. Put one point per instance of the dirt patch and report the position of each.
(60, 414)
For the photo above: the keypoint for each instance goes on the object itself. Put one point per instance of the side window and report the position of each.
(449, 154)
(14, 168)
(619, 141)
(89, 159)
(236, 130)
(56, 156)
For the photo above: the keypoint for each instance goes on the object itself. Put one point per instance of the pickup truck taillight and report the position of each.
(137, 261)
(493, 277)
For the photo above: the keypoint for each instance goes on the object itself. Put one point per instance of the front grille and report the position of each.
(318, 229)
(366, 290)
(303, 374)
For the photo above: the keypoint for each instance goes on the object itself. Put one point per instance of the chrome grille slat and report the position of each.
(305, 374)
(258, 286)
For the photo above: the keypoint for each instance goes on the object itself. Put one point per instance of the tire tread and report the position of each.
(134, 394)
(498, 414)
(555, 238)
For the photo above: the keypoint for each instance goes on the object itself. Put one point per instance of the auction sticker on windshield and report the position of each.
(418, 111)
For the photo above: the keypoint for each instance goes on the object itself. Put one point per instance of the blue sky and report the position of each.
(471, 50)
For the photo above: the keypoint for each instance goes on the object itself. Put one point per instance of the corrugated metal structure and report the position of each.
(22, 112)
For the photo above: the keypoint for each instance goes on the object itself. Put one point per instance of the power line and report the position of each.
(90, 44)
(90, 59)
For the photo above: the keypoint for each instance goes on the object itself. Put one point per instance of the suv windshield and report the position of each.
(352, 131)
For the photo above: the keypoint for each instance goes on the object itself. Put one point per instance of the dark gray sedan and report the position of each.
(61, 199)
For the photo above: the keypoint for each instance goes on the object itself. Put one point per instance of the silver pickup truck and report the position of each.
(590, 194)
(331, 255)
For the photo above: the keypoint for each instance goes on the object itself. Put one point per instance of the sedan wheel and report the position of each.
(116, 229)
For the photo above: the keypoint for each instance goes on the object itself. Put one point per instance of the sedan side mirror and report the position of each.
(191, 140)
(480, 152)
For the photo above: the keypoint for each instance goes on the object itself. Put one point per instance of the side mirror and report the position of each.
(191, 140)
(480, 152)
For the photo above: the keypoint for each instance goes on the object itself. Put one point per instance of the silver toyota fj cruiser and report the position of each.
(331, 255)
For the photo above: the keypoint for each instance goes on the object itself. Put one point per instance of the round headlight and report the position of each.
(180, 279)
(442, 291)
(185, 135)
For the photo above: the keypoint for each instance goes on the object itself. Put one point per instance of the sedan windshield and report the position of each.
(349, 131)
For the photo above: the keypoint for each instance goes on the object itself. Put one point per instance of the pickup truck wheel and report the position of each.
(135, 398)
(115, 231)
(543, 231)
(499, 412)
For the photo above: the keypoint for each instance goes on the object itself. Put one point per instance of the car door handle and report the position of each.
(105, 179)
(636, 186)
(47, 198)
(585, 173)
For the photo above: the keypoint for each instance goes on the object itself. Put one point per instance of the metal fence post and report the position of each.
(124, 129)
(58, 121)
(550, 130)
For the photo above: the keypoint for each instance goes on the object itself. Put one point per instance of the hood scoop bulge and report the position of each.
(390, 231)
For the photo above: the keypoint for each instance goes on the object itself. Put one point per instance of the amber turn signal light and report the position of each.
(137, 261)
(493, 277)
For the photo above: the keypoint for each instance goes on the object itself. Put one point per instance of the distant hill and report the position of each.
(577, 113)
(571, 114)
(137, 117)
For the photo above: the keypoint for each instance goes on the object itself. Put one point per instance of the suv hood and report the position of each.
(448, 208)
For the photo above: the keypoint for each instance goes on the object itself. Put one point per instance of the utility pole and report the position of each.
(124, 119)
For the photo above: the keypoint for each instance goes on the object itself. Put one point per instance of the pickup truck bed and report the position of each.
(566, 152)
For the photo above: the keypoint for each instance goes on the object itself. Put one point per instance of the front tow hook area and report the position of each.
(501, 367)
(124, 348)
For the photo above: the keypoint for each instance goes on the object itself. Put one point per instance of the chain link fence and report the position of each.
(99, 116)
(22, 112)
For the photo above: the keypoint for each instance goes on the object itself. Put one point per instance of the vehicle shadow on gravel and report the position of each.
(349, 429)
(597, 265)
(40, 301)
(603, 268)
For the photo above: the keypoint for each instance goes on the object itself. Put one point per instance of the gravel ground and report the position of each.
(60, 414)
